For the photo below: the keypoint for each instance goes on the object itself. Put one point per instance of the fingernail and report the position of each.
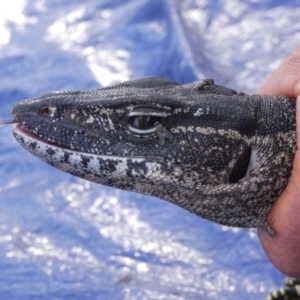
(297, 89)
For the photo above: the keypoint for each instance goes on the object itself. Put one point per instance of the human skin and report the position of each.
(283, 250)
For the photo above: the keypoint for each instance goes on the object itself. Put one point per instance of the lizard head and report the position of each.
(197, 145)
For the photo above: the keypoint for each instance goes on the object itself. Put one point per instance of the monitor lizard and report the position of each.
(223, 155)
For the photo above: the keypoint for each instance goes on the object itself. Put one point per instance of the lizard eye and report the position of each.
(143, 120)
(143, 124)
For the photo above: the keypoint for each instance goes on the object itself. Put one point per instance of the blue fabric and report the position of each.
(65, 238)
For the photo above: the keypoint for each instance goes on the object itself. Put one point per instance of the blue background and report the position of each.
(65, 238)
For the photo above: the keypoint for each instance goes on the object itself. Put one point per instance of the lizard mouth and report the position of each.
(22, 130)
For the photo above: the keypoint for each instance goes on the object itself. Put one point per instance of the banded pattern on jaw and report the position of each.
(129, 173)
(88, 166)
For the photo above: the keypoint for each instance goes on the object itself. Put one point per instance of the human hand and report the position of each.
(283, 249)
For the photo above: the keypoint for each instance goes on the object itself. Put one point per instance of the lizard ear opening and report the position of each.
(240, 168)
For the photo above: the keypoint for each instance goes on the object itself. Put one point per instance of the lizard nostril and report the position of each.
(241, 166)
(48, 111)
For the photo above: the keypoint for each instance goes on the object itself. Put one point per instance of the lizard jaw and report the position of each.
(93, 167)
(26, 132)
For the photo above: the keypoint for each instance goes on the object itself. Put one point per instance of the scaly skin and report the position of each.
(221, 155)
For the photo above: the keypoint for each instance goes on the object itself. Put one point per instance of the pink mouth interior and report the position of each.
(35, 136)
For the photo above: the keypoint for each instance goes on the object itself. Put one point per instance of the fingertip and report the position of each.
(281, 252)
(283, 249)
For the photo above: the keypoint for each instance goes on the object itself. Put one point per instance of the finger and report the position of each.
(283, 249)
(277, 84)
